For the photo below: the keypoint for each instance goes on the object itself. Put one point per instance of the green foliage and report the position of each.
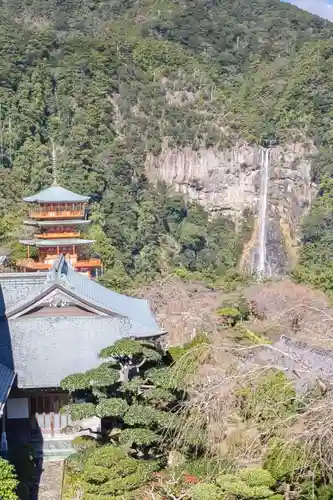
(177, 352)
(315, 266)
(124, 349)
(141, 415)
(157, 55)
(269, 398)
(231, 315)
(248, 483)
(138, 437)
(201, 74)
(80, 410)
(75, 381)
(296, 465)
(108, 472)
(8, 481)
(84, 443)
(256, 477)
(102, 376)
(205, 491)
(194, 74)
(116, 278)
(138, 406)
(284, 462)
(203, 468)
(324, 492)
(113, 406)
(159, 396)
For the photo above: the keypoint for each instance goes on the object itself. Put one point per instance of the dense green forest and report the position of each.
(103, 79)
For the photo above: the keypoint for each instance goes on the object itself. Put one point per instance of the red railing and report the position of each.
(44, 266)
(88, 263)
(33, 265)
(50, 236)
(63, 214)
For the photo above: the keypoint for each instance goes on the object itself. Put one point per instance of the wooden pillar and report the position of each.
(57, 250)
(28, 252)
(73, 249)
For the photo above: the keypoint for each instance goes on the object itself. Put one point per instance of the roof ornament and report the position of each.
(54, 164)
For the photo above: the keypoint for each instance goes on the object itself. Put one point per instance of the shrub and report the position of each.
(8, 481)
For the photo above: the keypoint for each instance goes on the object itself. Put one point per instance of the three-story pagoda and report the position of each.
(58, 215)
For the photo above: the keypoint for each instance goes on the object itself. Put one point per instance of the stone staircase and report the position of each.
(56, 448)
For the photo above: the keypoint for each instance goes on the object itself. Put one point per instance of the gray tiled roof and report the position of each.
(6, 380)
(23, 291)
(96, 294)
(43, 350)
(47, 349)
(56, 194)
(17, 288)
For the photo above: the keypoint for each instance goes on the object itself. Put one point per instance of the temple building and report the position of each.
(57, 216)
(54, 321)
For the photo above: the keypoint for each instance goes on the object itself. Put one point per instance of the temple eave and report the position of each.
(50, 223)
(56, 194)
(60, 242)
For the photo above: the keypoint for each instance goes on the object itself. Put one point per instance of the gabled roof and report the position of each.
(56, 194)
(62, 276)
(42, 350)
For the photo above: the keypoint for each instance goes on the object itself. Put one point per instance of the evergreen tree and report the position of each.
(134, 391)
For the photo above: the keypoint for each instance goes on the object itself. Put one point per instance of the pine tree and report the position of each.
(134, 390)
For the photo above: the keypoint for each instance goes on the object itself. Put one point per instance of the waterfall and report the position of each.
(264, 178)
(261, 268)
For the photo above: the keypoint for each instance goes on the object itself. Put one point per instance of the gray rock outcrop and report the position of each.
(227, 182)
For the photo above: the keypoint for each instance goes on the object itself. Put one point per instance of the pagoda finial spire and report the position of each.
(54, 164)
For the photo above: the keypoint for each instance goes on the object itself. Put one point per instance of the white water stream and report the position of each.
(264, 179)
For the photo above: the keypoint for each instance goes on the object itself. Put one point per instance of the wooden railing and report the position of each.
(48, 236)
(33, 265)
(51, 422)
(44, 266)
(67, 214)
(88, 263)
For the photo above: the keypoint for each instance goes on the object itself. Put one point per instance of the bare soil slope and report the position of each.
(287, 308)
(183, 308)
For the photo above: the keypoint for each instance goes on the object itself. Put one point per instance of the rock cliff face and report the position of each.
(231, 183)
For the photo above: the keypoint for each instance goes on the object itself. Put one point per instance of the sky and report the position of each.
(323, 8)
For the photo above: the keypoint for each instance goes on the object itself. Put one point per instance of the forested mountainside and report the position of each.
(242, 409)
(111, 81)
